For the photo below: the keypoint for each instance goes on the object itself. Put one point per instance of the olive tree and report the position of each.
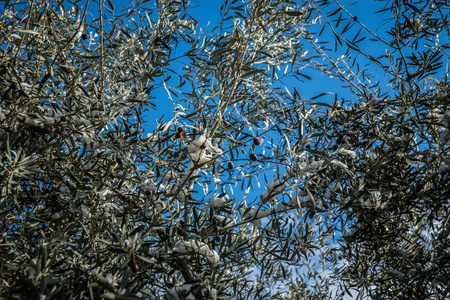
(248, 188)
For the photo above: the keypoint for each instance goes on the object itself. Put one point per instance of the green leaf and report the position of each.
(28, 31)
(108, 296)
(110, 4)
(323, 104)
(255, 71)
(413, 7)
(321, 95)
(293, 13)
(90, 56)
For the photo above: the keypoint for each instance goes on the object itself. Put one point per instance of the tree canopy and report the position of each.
(248, 186)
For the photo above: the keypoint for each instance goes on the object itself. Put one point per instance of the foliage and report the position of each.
(249, 188)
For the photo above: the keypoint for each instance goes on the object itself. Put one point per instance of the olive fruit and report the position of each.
(180, 232)
(253, 157)
(256, 141)
(134, 267)
(180, 228)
